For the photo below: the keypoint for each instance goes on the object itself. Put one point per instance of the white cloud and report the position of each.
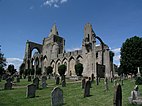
(117, 58)
(73, 49)
(15, 61)
(63, 1)
(54, 3)
(117, 50)
(31, 7)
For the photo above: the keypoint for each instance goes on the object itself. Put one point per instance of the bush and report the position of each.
(38, 71)
(79, 69)
(49, 70)
(138, 81)
(62, 69)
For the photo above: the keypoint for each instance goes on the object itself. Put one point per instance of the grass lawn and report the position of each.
(73, 94)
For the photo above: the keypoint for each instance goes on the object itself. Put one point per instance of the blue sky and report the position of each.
(112, 20)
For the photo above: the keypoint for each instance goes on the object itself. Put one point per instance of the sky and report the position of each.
(112, 20)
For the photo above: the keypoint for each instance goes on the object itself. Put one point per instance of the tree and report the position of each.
(62, 69)
(2, 62)
(22, 68)
(49, 70)
(79, 69)
(131, 55)
(11, 69)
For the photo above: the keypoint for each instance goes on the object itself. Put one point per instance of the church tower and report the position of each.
(53, 45)
(88, 51)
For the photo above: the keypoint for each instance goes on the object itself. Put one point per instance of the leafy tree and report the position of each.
(11, 69)
(2, 59)
(131, 56)
(22, 68)
(79, 69)
(62, 69)
(49, 70)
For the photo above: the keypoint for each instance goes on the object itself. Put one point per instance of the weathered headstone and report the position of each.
(87, 89)
(31, 90)
(57, 97)
(92, 78)
(63, 83)
(57, 80)
(18, 79)
(44, 84)
(29, 78)
(117, 101)
(83, 83)
(8, 84)
(36, 82)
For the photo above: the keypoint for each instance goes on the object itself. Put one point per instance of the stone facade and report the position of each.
(52, 53)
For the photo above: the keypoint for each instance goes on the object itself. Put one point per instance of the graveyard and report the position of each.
(73, 94)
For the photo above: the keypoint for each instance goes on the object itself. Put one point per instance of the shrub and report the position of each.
(62, 69)
(38, 71)
(49, 70)
(138, 81)
(79, 69)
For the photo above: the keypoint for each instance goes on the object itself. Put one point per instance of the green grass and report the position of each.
(73, 94)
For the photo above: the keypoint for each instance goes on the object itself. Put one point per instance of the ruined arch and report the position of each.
(65, 61)
(71, 63)
(79, 59)
(58, 63)
(53, 65)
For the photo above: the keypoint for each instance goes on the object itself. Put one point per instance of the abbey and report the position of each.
(95, 59)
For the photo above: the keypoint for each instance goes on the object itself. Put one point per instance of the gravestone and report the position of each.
(117, 101)
(57, 80)
(44, 84)
(83, 83)
(87, 89)
(92, 78)
(57, 97)
(18, 79)
(63, 83)
(106, 83)
(90, 82)
(31, 90)
(8, 84)
(29, 78)
(36, 82)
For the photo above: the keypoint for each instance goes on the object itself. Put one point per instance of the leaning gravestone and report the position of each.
(57, 80)
(36, 82)
(117, 101)
(57, 97)
(31, 90)
(87, 89)
(44, 84)
(83, 83)
(8, 84)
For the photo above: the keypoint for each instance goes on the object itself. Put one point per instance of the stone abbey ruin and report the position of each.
(95, 59)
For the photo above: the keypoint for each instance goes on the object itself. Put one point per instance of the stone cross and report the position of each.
(31, 90)
(8, 84)
(83, 83)
(44, 84)
(36, 82)
(57, 80)
(87, 89)
(57, 97)
(117, 101)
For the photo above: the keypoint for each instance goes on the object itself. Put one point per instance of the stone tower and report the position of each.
(53, 45)
(88, 51)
